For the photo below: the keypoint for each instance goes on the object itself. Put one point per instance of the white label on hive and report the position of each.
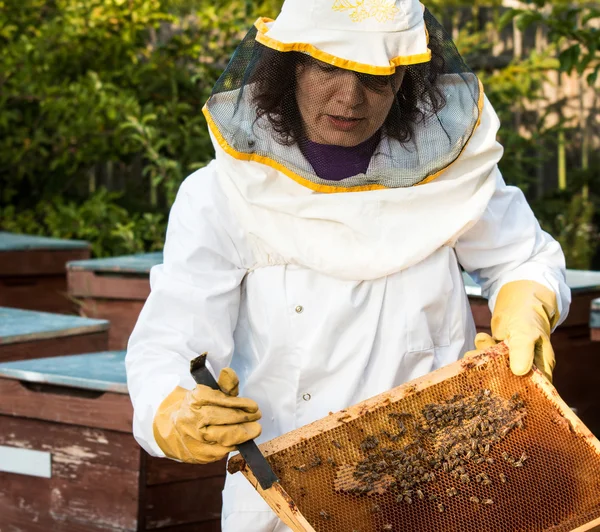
(25, 462)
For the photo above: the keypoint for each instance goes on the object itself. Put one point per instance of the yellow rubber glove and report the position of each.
(523, 317)
(203, 425)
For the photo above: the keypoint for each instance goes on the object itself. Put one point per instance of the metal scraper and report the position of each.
(249, 450)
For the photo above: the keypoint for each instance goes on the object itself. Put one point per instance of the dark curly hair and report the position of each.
(418, 96)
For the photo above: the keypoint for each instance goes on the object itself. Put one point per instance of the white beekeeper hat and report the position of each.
(368, 36)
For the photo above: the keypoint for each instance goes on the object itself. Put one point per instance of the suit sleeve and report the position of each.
(193, 304)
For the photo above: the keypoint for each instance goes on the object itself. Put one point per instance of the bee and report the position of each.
(375, 509)
(431, 477)
(301, 468)
(316, 461)
(465, 479)
(324, 515)
(502, 478)
(420, 494)
(474, 499)
(407, 499)
(518, 463)
(336, 444)
(489, 460)
(386, 527)
(486, 482)
(331, 462)
(523, 457)
(440, 507)
(469, 455)
(487, 501)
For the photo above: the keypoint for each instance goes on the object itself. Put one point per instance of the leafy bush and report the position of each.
(110, 228)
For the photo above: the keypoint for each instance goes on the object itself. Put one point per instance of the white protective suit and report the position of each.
(319, 301)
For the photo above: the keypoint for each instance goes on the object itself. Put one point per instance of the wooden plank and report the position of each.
(122, 315)
(593, 526)
(163, 471)
(481, 314)
(18, 241)
(38, 262)
(46, 293)
(104, 371)
(577, 376)
(66, 405)
(88, 284)
(579, 313)
(18, 325)
(94, 482)
(281, 503)
(186, 502)
(71, 445)
(205, 526)
(67, 345)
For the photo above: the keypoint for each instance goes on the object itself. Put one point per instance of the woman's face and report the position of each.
(337, 108)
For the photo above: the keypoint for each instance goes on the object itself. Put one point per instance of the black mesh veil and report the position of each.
(274, 107)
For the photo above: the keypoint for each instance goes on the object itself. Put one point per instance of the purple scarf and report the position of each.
(335, 163)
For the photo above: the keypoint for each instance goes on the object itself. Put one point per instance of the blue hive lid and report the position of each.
(17, 242)
(18, 325)
(137, 264)
(103, 371)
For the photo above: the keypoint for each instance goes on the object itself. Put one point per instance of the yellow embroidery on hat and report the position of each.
(381, 10)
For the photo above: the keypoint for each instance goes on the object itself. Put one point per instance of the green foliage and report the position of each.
(570, 219)
(90, 83)
(110, 229)
(577, 41)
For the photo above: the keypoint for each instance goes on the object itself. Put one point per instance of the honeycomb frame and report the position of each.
(302, 512)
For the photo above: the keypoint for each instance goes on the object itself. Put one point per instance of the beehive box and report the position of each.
(577, 372)
(469, 447)
(69, 462)
(595, 320)
(32, 271)
(26, 334)
(114, 289)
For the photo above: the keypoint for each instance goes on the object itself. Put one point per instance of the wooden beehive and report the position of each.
(26, 334)
(533, 467)
(69, 462)
(114, 289)
(577, 372)
(32, 271)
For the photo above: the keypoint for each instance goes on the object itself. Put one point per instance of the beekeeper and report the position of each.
(318, 257)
